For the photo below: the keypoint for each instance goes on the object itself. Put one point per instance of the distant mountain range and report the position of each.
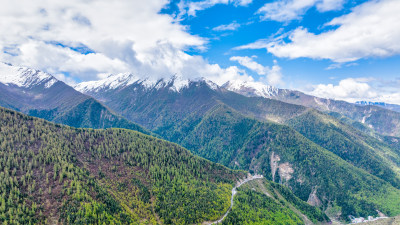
(331, 154)
(39, 94)
(385, 121)
(382, 119)
(393, 107)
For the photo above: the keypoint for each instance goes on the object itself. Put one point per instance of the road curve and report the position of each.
(240, 183)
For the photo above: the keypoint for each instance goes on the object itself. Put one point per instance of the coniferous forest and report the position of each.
(55, 174)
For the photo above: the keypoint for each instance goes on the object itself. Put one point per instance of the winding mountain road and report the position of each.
(240, 183)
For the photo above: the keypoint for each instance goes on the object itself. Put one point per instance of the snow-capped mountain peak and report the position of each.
(24, 77)
(251, 89)
(209, 83)
(113, 81)
(175, 83)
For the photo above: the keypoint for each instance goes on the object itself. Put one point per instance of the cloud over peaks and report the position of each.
(86, 38)
(271, 75)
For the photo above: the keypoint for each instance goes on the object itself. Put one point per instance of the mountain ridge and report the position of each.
(42, 95)
(211, 123)
(24, 76)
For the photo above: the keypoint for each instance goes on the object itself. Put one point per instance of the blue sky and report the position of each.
(342, 49)
(227, 26)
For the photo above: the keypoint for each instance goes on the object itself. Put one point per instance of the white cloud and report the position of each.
(287, 10)
(120, 36)
(360, 89)
(329, 5)
(191, 8)
(370, 30)
(262, 43)
(65, 79)
(390, 98)
(241, 2)
(273, 75)
(232, 26)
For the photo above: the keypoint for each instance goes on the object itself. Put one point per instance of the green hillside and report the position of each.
(350, 144)
(312, 172)
(352, 172)
(57, 174)
(53, 173)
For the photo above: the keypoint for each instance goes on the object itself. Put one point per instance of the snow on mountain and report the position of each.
(251, 89)
(27, 78)
(211, 84)
(175, 83)
(24, 77)
(111, 82)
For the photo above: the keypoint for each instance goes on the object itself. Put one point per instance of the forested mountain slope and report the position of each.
(352, 145)
(39, 94)
(210, 121)
(57, 174)
(283, 155)
(85, 176)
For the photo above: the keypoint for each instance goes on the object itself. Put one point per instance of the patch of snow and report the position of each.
(50, 83)
(251, 89)
(148, 83)
(211, 84)
(178, 83)
(24, 77)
